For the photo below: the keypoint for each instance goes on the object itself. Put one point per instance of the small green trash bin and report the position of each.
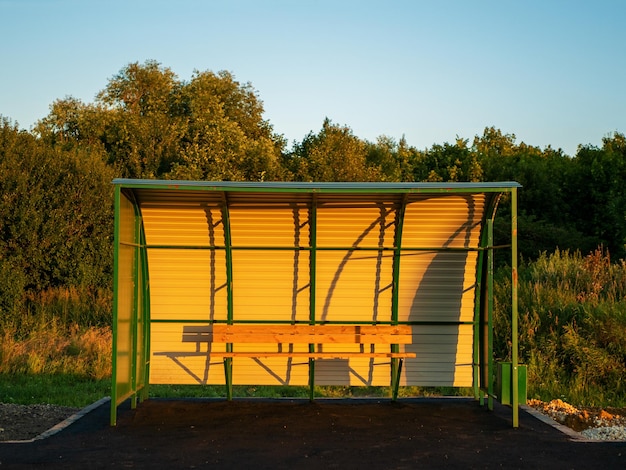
(504, 383)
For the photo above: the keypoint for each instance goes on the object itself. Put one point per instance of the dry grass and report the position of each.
(51, 349)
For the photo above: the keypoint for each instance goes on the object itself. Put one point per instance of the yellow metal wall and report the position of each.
(271, 261)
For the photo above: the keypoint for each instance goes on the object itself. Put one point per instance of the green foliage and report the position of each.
(56, 214)
(596, 190)
(572, 326)
(334, 154)
(147, 123)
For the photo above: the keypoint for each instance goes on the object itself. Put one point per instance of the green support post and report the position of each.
(490, 313)
(228, 375)
(312, 287)
(396, 363)
(228, 250)
(514, 326)
(116, 276)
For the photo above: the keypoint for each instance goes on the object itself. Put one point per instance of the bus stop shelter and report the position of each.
(189, 255)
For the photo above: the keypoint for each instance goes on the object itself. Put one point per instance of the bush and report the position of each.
(572, 326)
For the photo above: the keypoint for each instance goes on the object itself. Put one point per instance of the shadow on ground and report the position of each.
(276, 434)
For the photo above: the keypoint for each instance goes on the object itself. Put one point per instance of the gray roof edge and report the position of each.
(313, 186)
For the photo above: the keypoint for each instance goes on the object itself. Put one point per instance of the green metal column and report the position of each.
(477, 324)
(116, 269)
(137, 306)
(228, 361)
(312, 287)
(490, 361)
(514, 327)
(145, 320)
(396, 363)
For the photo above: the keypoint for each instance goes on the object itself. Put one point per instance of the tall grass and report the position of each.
(572, 326)
(58, 331)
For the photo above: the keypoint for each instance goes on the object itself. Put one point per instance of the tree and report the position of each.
(56, 214)
(546, 217)
(226, 137)
(334, 154)
(596, 189)
(149, 124)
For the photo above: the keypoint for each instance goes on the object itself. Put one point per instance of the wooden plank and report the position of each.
(300, 334)
(312, 329)
(304, 338)
(314, 355)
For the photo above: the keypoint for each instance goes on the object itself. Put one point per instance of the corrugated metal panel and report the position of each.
(358, 225)
(437, 286)
(175, 361)
(184, 226)
(187, 284)
(354, 278)
(444, 356)
(271, 285)
(451, 221)
(353, 286)
(440, 285)
(284, 225)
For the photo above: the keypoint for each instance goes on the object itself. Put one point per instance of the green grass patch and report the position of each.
(66, 390)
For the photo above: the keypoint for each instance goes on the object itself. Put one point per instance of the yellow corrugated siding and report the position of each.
(352, 285)
(183, 226)
(443, 221)
(271, 285)
(444, 356)
(282, 226)
(187, 284)
(355, 226)
(437, 286)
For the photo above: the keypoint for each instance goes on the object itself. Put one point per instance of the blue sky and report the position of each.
(551, 72)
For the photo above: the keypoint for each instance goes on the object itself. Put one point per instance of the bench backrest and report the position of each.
(300, 334)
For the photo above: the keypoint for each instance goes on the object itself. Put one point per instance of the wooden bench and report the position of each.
(315, 337)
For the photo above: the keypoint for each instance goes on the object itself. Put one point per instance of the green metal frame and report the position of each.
(312, 286)
(514, 313)
(139, 365)
(401, 196)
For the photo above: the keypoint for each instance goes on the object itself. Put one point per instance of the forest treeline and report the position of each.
(56, 215)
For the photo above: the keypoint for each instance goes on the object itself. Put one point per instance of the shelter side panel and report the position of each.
(126, 295)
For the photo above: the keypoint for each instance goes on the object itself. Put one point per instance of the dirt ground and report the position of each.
(275, 434)
(22, 422)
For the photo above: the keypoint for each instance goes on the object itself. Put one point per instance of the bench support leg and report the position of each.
(228, 375)
(396, 370)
